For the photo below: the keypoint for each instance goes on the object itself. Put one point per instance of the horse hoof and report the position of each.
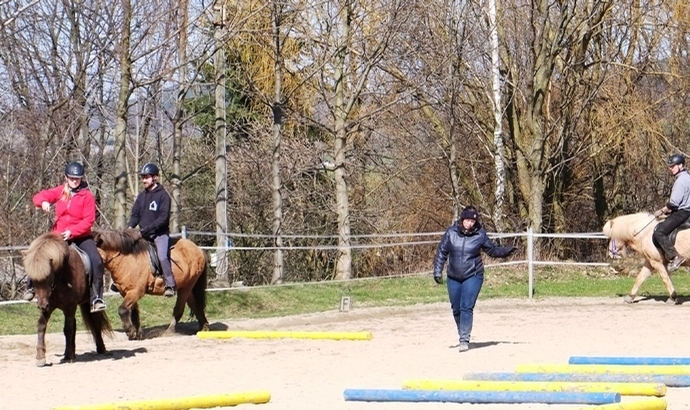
(629, 299)
(672, 301)
(40, 362)
(204, 328)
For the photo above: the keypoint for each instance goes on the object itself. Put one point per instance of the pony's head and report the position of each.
(127, 241)
(626, 230)
(46, 255)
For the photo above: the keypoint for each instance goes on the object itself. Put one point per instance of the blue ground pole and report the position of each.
(667, 379)
(664, 361)
(480, 396)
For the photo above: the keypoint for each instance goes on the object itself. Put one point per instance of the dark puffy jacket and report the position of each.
(462, 251)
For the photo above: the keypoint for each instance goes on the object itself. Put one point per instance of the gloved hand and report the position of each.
(145, 231)
(438, 279)
(658, 213)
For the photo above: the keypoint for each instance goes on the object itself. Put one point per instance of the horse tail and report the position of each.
(97, 323)
(199, 289)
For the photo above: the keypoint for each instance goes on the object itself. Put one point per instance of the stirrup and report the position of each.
(29, 295)
(98, 306)
(675, 263)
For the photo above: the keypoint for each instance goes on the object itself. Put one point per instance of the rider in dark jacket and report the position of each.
(151, 211)
(461, 246)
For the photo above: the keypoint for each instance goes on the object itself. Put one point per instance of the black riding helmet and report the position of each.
(149, 169)
(74, 170)
(676, 159)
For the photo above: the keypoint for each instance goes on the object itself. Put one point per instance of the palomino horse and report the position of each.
(635, 231)
(60, 282)
(126, 255)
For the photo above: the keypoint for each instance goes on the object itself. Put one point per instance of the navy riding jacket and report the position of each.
(151, 211)
(462, 251)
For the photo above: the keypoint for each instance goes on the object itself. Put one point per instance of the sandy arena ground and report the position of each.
(409, 343)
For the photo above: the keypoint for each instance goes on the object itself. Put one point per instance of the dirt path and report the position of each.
(408, 343)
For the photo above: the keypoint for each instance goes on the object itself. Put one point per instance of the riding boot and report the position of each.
(30, 294)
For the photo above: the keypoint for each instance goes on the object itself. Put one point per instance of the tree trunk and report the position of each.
(178, 119)
(119, 213)
(221, 154)
(276, 182)
(344, 264)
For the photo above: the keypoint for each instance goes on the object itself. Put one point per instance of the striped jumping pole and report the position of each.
(644, 404)
(262, 334)
(625, 389)
(479, 396)
(183, 403)
(602, 368)
(666, 379)
(663, 361)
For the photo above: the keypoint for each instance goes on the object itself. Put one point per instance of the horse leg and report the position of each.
(178, 310)
(96, 323)
(663, 272)
(70, 331)
(41, 344)
(136, 321)
(642, 276)
(125, 312)
(198, 312)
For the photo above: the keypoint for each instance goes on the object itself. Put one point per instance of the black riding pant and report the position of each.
(664, 229)
(88, 245)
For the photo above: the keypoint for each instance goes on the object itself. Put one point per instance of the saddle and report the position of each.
(88, 269)
(673, 235)
(153, 260)
(153, 257)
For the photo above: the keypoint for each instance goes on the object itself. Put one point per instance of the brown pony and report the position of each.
(60, 282)
(126, 255)
(635, 231)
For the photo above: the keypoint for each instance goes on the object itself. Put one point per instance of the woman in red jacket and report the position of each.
(75, 213)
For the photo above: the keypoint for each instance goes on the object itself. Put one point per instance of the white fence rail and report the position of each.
(529, 251)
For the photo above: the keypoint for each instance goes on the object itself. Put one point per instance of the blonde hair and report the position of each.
(65, 192)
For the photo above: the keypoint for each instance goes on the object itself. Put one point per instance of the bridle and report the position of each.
(614, 250)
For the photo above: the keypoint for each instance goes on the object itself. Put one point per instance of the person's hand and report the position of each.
(67, 234)
(145, 231)
(45, 205)
(438, 279)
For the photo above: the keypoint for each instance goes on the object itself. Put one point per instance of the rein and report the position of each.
(105, 262)
(645, 226)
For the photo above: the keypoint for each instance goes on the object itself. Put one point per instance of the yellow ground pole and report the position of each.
(624, 389)
(200, 402)
(644, 404)
(263, 334)
(603, 369)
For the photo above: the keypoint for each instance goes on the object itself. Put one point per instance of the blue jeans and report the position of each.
(463, 296)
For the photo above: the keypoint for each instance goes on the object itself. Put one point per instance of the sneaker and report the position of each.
(675, 263)
(464, 346)
(169, 292)
(29, 295)
(98, 306)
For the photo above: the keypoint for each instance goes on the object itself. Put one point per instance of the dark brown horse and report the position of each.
(60, 282)
(126, 255)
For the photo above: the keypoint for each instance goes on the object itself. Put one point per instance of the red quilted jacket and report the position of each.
(76, 214)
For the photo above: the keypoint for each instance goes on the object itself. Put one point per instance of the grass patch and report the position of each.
(270, 301)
